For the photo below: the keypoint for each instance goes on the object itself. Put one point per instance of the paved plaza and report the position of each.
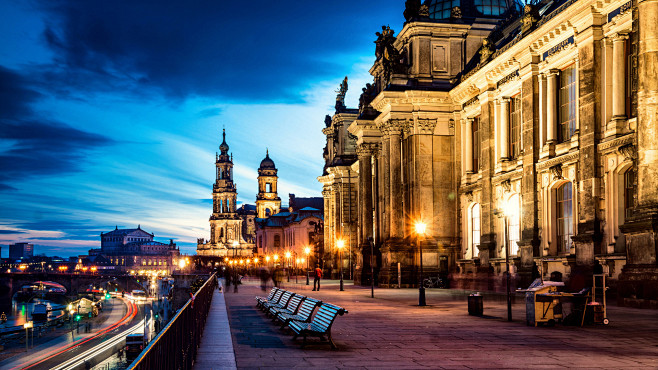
(391, 331)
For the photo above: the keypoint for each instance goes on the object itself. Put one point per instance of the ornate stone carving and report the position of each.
(628, 151)
(340, 95)
(507, 185)
(451, 127)
(530, 18)
(424, 11)
(327, 120)
(486, 50)
(425, 126)
(469, 196)
(556, 171)
(367, 95)
(456, 13)
(393, 61)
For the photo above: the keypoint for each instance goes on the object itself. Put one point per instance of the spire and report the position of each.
(267, 152)
(224, 147)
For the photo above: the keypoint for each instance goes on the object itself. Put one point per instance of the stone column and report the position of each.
(551, 107)
(468, 144)
(364, 152)
(384, 188)
(504, 129)
(619, 76)
(395, 185)
(496, 108)
(542, 110)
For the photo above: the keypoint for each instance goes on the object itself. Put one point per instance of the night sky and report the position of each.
(111, 111)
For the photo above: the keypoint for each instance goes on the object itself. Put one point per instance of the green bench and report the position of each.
(320, 324)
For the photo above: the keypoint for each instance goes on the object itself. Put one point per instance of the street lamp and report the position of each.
(509, 210)
(288, 259)
(307, 251)
(340, 244)
(420, 231)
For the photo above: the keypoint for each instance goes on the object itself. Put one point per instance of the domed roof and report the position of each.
(223, 147)
(267, 163)
(441, 9)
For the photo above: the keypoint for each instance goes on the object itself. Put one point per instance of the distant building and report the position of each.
(21, 251)
(291, 231)
(134, 250)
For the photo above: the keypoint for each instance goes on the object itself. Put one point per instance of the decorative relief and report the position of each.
(507, 185)
(514, 76)
(557, 160)
(571, 174)
(469, 196)
(545, 180)
(628, 139)
(425, 126)
(472, 101)
(556, 171)
(612, 164)
(628, 151)
(451, 127)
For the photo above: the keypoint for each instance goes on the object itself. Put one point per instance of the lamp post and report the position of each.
(288, 259)
(507, 211)
(340, 244)
(420, 231)
(307, 250)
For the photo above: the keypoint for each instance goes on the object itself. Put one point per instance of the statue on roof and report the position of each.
(393, 61)
(367, 95)
(340, 97)
(327, 120)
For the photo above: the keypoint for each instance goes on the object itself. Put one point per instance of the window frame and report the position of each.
(562, 206)
(567, 125)
(475, 135)
(473, 229)
(515, 126)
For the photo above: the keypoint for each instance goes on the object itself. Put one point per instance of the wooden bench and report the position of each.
(291, 307)
(283, 301)
(260, 300)
(277, 296)
(320, 324)
(303, 314)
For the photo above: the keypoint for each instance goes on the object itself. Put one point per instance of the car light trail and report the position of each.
(132, 312)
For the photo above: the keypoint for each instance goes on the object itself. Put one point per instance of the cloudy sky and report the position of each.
(111, 111)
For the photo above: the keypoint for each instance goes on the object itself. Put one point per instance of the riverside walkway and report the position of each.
(216, 350)
(391, 331)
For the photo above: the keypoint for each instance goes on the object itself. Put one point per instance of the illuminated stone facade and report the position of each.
(226, 227)
(548, 112)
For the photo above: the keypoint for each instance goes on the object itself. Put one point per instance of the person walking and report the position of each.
(316, 278)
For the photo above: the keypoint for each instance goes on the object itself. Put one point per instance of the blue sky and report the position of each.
(111, 111)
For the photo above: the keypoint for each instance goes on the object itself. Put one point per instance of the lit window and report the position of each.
(515, 126)
(564, 217)
(475, 229)
(567, 126)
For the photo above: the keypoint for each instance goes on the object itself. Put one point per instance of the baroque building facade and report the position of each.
(226, 225)
(528, 131)
(135, 250)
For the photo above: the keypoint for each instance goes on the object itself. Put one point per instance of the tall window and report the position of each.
(475, 229)
(476, 144)
(515, 126)
(514, 224)
(441, 9)
(629, 191)
(277, 241)
(567, 98)
(564, 217)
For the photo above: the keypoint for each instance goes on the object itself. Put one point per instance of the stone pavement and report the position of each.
(216, 349)
(390, 331)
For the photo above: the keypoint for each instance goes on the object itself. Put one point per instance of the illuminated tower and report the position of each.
(267, 202)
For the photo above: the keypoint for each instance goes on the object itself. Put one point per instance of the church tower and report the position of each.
(225, 223)
(267, 202)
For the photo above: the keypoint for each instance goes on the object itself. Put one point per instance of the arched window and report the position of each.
(268, 187)
(564, 208)
(514, 224)
(475, 229)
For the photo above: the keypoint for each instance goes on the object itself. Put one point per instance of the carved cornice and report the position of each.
(541, 166)
(507, 176)
(367, 149)
(615, 143)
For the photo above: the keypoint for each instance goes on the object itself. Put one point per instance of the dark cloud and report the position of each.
(34, 145)
(256, 50)
(11, 232)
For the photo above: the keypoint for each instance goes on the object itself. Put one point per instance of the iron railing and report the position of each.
(177, 344)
